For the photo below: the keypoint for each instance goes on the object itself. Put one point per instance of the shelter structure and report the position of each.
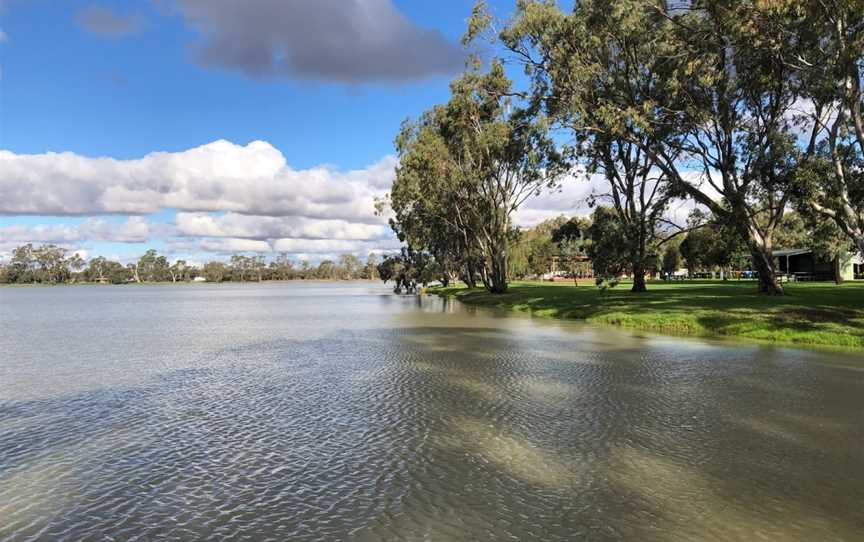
(805, 264)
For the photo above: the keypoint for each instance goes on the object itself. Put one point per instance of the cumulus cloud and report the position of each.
(105, 23)
(571, 198)
(264, 227)
(353, 41)
(134, 230)
(228, 198)
(221, 176)
(315, 249)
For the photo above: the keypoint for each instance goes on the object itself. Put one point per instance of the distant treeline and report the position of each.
(50, 264)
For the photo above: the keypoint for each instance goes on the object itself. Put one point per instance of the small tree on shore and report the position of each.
(671, 259)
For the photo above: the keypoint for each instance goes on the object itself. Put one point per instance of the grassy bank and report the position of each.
(820, 314)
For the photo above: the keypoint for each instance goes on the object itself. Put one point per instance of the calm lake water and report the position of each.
(343, 412)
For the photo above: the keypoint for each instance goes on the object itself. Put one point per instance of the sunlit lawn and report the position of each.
(815, 313)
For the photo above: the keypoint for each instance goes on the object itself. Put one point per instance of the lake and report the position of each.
(344, 412)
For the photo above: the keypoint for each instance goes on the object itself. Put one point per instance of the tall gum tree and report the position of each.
(569, 87)
(828, 53)
(682, 82)
(427, 216)
(471, 164)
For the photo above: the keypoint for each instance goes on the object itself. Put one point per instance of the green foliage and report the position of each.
(117, 274)
(465, 167)
(370, 270)
(533, 249)
(45, 264)
(669, 103)
(49, 264)
(215, 271)
(350, 266)
(574, 229)
(826, 49)
(282, 268)
(410, 268)
(607, 250)
(672, 259)
(712, 248)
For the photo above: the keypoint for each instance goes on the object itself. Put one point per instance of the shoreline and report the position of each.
(187, 282)
(812, 315)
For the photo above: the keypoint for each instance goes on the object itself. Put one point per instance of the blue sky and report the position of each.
(321, 87)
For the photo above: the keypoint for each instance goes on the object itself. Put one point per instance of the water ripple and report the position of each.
(468, 431)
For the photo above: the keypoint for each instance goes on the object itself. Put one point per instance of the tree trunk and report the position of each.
(470, 277)
(762, 253)
(838, 271)
(638, 278)
(498, 273)
(637, 263)
(484, 277)
(763, 261)
(469, 280)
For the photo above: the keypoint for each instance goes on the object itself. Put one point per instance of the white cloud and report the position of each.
(265, 227)
(320, 246)
(220, 176)
(229, 198)
(134, 230)
(575, 191)
(571, 198)
(314, 249)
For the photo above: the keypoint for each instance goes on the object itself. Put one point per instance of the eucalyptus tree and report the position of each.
(432, 207)
(258, 265)
(608, 250)
(214, 271)
(408, 269)
(427, 213)
(150, 267)
(370, 270)
(117, 273)
(467, 166)
(671, 260)
(349, 266)
(97, 269)
(828, 53)
(583, 75)
(53, 266)
(179, 271)
(282, 268)
(328, 270)
(76, 263)
(695, 88)
(573, 240)
(241, 266)
(535, 248)
(22, 265)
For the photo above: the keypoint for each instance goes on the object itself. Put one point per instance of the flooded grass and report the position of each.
(810, 314)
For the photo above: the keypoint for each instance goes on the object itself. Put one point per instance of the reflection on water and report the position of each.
(308, 412)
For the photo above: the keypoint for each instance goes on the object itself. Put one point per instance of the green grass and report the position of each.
(810, 314)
